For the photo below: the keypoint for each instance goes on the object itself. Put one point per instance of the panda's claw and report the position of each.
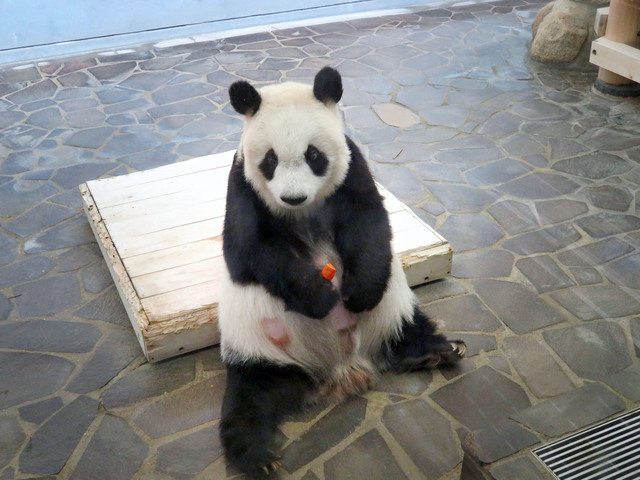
(272, 467)
(459, 348)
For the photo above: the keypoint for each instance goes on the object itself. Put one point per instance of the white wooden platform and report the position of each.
(160, 232)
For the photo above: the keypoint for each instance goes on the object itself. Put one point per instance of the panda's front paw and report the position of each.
(324, 299)
(357, 299)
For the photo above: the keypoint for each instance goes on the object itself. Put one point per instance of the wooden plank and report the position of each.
(180, 235)
(135, 311)
(166, 219)
(600, 24)
(176, 278)
(100, 188)
(615, 57)
(171, 257)
(164, 229)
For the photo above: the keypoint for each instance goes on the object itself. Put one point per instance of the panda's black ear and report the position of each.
(327, 86)
(244, 98)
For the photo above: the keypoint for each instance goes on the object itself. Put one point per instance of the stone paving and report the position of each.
(531, 176)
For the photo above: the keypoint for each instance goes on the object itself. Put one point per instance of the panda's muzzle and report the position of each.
(294, 201)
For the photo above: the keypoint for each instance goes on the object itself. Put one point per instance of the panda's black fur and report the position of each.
(288, 334)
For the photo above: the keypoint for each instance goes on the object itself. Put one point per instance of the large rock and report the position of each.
(563, 30)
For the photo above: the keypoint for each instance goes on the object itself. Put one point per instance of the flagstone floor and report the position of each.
(531, 176)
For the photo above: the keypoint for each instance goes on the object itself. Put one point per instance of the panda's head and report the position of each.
(293, 146)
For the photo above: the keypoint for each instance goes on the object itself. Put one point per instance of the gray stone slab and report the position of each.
(188, 455)
(522, 468)
(513, 216)
(595, 253)
(51, 445)
(571, 411)
(563, 148)
(18, 196)
(128, 143)
(538, 186)
(438, 290)
(69, 233)
(46, 374)
(549, 239)
(481, 398)
(482, 264)
(37, 91)
(625, 271)
(497, 441)
(541, 110)
(520, 309)
(38, 412)
(114, 439)
(497, 172)
(112, 72)
(367, 457)
(558, 211)
(6, 307)
(11, 438)
(90, 138)
(470, 231)
(536, 366)
(39, 218)
(107, 307)
(593, 302)
(148, 381)
(463, 313)
(197, 405)
(117, 349)
(586, 275)
(476, 342)
(24, 271)
(327, 432)
(595, 166)
(462, 198)
(425, 435)
(593, 351)
(18, 162)
(544, 273)
(413, 383)
(49, 336)
(609, 197)
(96, 277)
(175, 93)
(47, 296)
(626, 382)
(72, 176)
(400, 181)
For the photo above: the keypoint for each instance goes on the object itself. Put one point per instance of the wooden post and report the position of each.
(622, 26)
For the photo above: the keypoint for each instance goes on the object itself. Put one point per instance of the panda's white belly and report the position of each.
(255, 325)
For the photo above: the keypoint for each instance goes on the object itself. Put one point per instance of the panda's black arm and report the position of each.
(363, 236)
(259, 250)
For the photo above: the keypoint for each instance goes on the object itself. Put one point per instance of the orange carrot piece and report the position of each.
(328, 271)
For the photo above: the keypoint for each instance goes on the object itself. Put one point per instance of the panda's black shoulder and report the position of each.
(359, 180)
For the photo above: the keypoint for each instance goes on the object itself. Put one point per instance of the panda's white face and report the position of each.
(294, 149)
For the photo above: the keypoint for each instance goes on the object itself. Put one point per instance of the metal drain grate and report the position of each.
(610, 450)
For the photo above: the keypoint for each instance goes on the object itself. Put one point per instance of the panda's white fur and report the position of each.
(315, 345)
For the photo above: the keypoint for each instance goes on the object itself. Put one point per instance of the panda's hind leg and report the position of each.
(419, 346)
(258, 397)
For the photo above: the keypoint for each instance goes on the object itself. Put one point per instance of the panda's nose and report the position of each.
(294, 200)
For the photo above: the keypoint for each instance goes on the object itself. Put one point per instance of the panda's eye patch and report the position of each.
(316, 161)
(269, 164)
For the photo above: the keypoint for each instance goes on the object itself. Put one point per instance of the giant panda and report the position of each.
(300, 195)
